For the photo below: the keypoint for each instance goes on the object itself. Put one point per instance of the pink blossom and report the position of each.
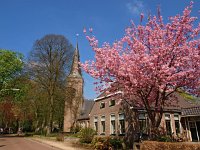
(149, 59)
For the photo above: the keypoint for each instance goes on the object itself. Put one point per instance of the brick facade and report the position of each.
(107, 111)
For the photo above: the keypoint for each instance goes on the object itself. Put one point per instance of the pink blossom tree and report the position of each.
(150, 62)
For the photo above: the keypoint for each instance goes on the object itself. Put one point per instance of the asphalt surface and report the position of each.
(21, 143)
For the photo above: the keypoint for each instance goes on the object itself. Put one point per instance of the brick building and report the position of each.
(108, 118)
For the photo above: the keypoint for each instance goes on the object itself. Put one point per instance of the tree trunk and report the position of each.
(51, 113)
(155, 121)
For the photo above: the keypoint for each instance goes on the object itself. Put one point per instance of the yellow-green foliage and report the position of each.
(186, 95)
(86, 135)
(106, 143)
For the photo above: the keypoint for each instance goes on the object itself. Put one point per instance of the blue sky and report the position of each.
(24, 21)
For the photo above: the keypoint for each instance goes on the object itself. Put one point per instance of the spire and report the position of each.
(75, 69)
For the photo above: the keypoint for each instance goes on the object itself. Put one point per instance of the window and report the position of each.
(102, 105)
(112, 102)
(168, 124)
(103, 127)
(177, 123)
(112, 124)
(121, 124)
(192, 124)
(96, 124)
(142, 122)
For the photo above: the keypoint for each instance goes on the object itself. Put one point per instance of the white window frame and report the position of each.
(96, 121)
(119, 123)
(101, 103)
(178, 121)
(110, 102)
(170, 119)
(101, 129)
(114, 132)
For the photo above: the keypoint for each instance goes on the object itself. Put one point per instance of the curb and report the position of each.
(41, 142)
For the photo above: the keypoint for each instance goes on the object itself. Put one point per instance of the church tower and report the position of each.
(74, 100)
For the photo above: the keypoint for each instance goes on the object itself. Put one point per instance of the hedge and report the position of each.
(153, 145)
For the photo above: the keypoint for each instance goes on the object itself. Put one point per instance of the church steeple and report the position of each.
(75, 69)
(74, 81)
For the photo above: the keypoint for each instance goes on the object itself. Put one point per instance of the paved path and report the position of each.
(20, 143)
(62, 145)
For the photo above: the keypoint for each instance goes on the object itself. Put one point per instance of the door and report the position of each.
(193, 132)
(198, 127)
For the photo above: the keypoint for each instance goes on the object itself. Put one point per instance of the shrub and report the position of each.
(153, 145)
(86, 135)
(164, 139)
(116, 143)
(75, 129)
(101, 143)
(60, 137)
(106, 143)
(182, 137)
(27, 126)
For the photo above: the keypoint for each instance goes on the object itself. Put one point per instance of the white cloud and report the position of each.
(135, 7)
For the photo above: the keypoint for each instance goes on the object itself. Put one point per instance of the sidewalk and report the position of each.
(60, 145)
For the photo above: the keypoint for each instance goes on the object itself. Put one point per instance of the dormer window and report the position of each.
(102, 105)
(112, 102)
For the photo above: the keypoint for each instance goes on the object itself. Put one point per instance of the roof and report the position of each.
(177, 102)
(75, 68)
(192, 111)
(104, 95)
(85, 111)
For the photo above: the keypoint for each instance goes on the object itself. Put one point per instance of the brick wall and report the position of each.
(107, 111)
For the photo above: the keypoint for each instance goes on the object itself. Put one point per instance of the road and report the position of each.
(20, 143)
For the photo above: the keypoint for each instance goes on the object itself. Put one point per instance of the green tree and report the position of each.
(11, 65)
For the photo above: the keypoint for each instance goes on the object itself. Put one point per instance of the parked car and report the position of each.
(8, 130)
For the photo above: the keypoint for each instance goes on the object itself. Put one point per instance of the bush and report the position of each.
(116, 143)
(75, 129)
(27, 126)
(164, 139)
(106, 143)
(60, 137)
(153, 145)
(101, 143)
(86, 135)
